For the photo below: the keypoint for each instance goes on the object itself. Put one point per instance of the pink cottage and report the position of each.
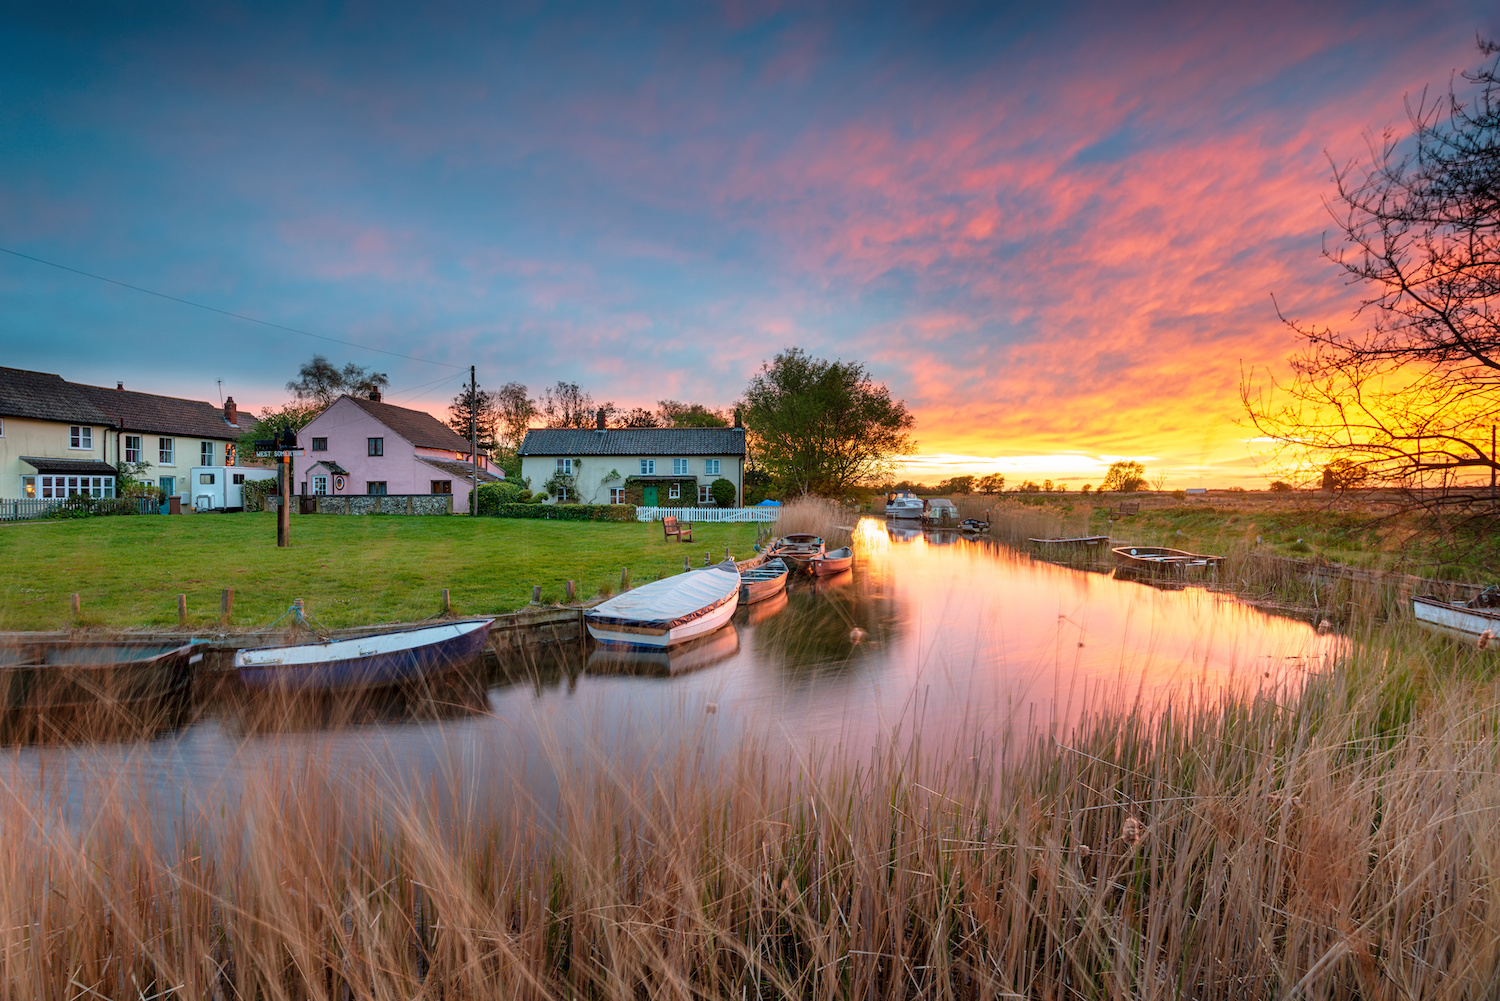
(360, 446)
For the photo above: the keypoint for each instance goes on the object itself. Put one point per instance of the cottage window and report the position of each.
(562, 493)
(711, 467)
(59, 487)
(617, 495)
(375, 446)
(320, 485)
(320, 444)
(674, 491)
(565, 466)
(132, 448)
(28, 487)
(80, 436)
(166, 450)
(206, 454)
(705, 494)
(679, 467)
(375, 487)
(648, 467)
(442, 486)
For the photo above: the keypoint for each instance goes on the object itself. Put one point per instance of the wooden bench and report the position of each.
(670, 527)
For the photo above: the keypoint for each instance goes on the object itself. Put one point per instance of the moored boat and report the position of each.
(66, 687)
(668, 611)
(374, 661)
(1466, 620)
(1162, 560)
(798, 550)
(832, 562)
(764, 581)
(973, 526)
(940, 511)
(903, 504)
(1077, 540)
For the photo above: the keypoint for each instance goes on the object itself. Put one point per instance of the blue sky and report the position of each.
(1053, 231)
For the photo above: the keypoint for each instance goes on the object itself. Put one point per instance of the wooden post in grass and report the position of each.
(568, 591)
(182, 609)
(447, 608)
(226, 605)
(77, 605)
(536, 594)
(624, 578)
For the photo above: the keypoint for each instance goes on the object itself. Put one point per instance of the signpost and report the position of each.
(282, 448)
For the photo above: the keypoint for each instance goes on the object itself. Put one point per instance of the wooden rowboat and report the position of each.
(1160, 559)
(764, 581)
(1465, 620)
(374, 661)
(668, 611)
(833, 562)
(798, 550)
(90, 689)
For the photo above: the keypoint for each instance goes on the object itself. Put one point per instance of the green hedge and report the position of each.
(565, 512)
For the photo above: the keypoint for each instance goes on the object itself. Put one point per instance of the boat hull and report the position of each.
(835, 562)
(1160, 559)
(1082, 540)
(377, 661)
(798, 551)
(64, 690)
(633, 626)
(764, 582)
(1457, 621)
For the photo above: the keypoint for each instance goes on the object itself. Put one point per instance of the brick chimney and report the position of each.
(120, 387)
(738, 421)
(231, 413)
(375, 395)
(599, 419)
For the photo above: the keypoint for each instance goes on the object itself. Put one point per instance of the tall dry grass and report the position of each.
(1335, 843)
(818, 516)
(1014, 521)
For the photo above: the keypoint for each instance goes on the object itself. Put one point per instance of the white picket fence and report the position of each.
(707, 514)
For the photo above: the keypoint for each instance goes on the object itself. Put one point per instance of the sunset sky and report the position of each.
(1054, 230)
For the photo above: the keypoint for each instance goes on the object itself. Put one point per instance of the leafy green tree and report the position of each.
(639, 417)
(994, 483)
(1124, 477)
(819, 427)
(479, 405)
(514, 412)
(673, 414)
(957, 485)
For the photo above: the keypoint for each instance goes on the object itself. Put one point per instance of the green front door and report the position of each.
(651, 495)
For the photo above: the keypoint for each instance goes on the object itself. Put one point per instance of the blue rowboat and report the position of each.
(374, 661)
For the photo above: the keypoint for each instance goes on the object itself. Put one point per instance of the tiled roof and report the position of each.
(463, 470)
(90, 467)
(133, 411)
(635, 441)
(416, 426)
(45, 397)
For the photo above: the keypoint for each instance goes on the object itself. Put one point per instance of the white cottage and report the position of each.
(655, 467)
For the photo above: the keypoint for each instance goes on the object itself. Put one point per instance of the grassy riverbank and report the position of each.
(1332, 843)
(128, 571)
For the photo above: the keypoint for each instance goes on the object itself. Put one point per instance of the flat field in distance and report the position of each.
(350, 571)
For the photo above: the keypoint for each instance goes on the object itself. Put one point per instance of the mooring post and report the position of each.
(568, 591)
(708, 558)
(447, 608)
(77, 605)
(182, 609)
(297, 611)
(536, 594)
(686, 565)
(226, 605)
(625, 578)
(726, 553)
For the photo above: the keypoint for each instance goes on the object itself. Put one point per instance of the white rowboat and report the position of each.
(1461, 620)
(670, 611)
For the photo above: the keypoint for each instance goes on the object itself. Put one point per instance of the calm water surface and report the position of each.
(946, 631)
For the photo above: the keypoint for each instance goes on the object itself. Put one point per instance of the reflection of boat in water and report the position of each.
(836, 561)
(763, 610)
(59, 690)
(1160, 559)
(684, 658)
(901, 533)
(798, 550)
(668, 611)
(941, 536)
(1076, 542)
(453, 695)
(373, 661)
(903, 504)
(1151, 579)
(764, 581)
(832, 582)
(1465, 620)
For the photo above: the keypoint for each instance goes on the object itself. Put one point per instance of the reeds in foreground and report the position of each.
(818, 516)
(1333, 844)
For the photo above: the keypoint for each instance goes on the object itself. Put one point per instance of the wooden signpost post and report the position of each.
(282, 448)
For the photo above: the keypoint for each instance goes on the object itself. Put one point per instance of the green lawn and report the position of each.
(350, 571)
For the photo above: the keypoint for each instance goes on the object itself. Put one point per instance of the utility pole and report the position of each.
(474, 441)
(1492, 467)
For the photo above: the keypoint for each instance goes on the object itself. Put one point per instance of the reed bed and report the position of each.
(1014, 522)
(832, 521)
(1336, 843)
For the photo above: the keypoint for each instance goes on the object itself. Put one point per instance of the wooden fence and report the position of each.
(708, 514)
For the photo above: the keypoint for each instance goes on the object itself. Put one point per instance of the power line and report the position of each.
(224, 312)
